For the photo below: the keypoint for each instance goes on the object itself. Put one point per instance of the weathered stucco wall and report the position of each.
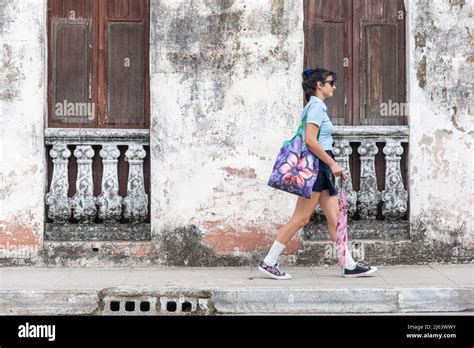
(226, 91)
(21, 147)
(441, 167)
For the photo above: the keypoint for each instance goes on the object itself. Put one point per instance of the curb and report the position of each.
(172, 301)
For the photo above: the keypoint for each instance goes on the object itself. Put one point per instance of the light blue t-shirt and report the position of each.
(317, 113)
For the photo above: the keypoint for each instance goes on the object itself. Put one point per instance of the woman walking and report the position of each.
(318, 85)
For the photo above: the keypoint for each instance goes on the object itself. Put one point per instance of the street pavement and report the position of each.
(410, 289)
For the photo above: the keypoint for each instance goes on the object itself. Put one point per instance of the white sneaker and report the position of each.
(273, 272)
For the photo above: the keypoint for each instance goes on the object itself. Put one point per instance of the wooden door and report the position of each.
(363, 41)
(98, 58)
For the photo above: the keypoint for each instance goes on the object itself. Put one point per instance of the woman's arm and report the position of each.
(314, 146)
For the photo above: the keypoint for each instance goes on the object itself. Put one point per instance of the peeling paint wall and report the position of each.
(441, 119)
(225, 93)
(22, 99)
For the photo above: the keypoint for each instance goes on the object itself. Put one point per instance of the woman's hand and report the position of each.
(338, 171)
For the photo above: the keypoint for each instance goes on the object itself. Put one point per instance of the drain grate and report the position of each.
(130, 306)
(171, 306)
(184, 305)
(115, 306)
(147, 305)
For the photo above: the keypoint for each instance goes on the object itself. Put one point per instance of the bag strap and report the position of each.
(300, 129)
(303, 124)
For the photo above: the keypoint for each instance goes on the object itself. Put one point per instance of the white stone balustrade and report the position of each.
(108, 206)
(110, 202)
(56, 198)
(137, 200)
(394, 197)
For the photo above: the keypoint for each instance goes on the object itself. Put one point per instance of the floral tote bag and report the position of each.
(295, 168)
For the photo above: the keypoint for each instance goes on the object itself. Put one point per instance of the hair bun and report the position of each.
(308, 72)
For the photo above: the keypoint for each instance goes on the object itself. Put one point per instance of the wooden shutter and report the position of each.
(125, 73)
(124, 63)
(330, 55)
(71, 65)
(327, 45)
(380, 66)
(70, 79)
(379, 58)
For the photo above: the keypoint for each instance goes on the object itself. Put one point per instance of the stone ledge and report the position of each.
(362, 229)
(385, 252)
(97, 232)
(91, 136)
(377, 133)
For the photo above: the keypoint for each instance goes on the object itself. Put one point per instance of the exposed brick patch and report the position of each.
(222, 238)
(20, 231)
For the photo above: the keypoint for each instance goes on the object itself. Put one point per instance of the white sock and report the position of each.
(349, 262)
(273, 254)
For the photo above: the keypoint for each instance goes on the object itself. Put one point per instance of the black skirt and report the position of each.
(325, 179)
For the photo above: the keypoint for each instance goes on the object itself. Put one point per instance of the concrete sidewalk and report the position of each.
(209, 291)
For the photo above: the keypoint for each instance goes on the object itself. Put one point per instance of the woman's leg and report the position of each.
(330, 206)
(303, 211)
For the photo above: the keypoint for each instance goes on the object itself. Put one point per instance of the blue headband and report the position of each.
(308, 72)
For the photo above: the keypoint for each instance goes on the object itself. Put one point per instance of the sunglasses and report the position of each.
(331, 82)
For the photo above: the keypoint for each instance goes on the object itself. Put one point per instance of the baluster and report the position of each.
(59, 206)
(342, 150)
(368, 196)
(109, 201)
(394, 197)
(84, 202)
(136, 202)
